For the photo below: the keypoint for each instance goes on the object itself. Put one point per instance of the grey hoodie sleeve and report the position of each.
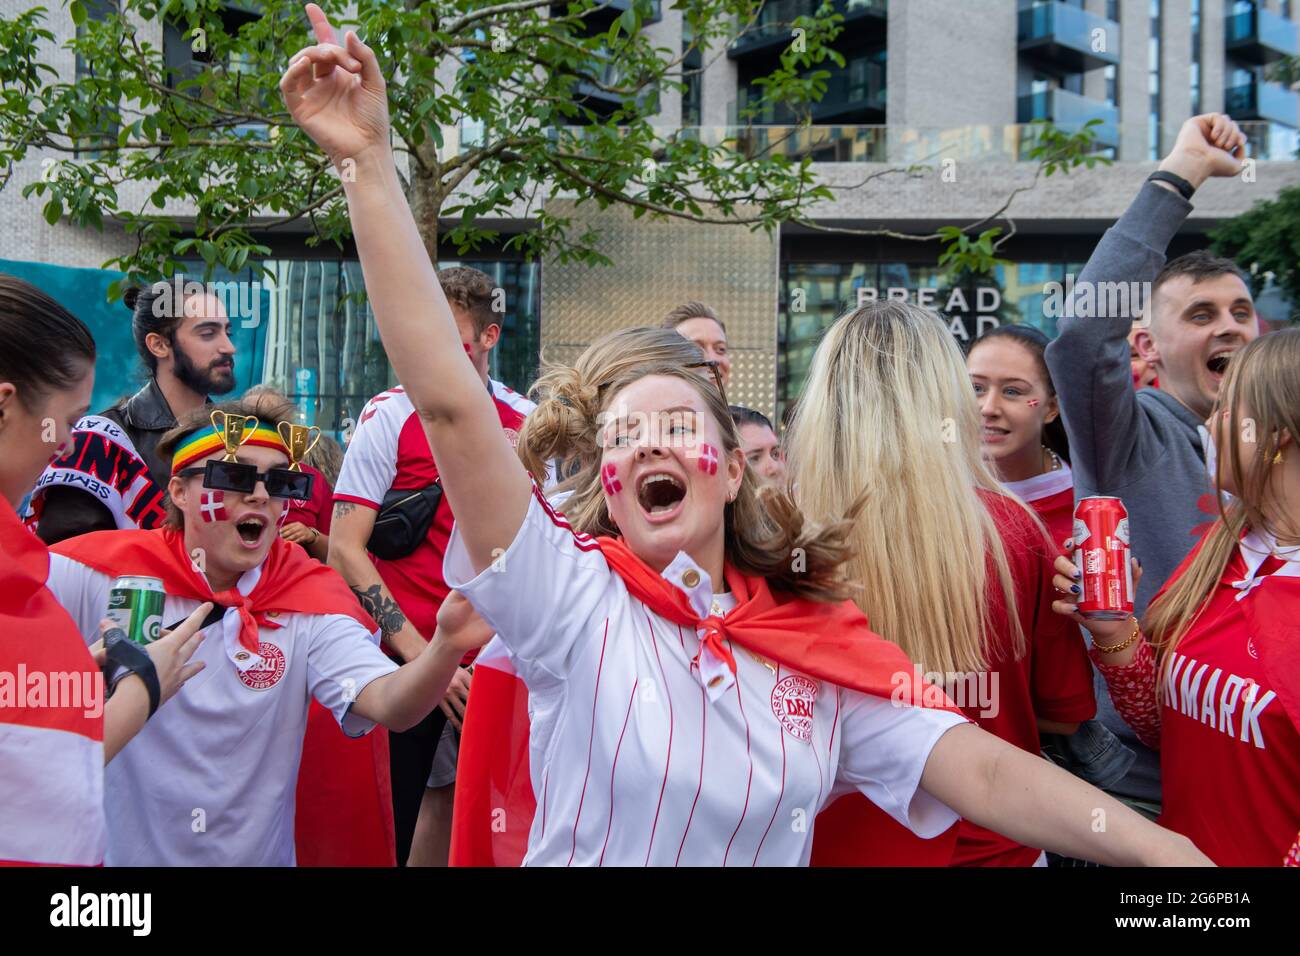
(1089, 359)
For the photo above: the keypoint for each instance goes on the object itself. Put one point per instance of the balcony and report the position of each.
(1069, 111)
(1063, 38)
(1258, 100)
(855, 94)
(607, 11)
(863, 26)
(1260, 36)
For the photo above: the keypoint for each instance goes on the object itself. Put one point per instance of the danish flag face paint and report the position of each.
(1032, 403)
(609, 480)
(708, 459)
(212, 506)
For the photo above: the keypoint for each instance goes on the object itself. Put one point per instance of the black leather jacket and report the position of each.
(145, 417)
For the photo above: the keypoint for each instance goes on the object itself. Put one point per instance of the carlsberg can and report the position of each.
(135, 604)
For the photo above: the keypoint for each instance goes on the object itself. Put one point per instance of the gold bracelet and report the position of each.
(1116, 648)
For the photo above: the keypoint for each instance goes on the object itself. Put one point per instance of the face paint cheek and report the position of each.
(609, 480)
(212, 506)
(1032, 403)
(707, 459)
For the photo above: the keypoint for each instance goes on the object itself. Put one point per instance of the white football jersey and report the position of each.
(635, 762)
(210, 779)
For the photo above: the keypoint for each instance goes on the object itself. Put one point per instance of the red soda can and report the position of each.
(1101, 553)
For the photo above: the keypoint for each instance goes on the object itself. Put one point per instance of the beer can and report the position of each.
(1101, 553)
(135, 604)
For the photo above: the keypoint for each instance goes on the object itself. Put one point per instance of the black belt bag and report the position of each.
(404, 520)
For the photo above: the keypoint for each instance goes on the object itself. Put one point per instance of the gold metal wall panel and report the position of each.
(657, 266)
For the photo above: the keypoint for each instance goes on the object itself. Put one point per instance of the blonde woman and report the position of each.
(751, 677)
(1211, 678)
(950, 569)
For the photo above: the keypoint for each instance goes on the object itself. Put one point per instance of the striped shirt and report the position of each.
(634, 764)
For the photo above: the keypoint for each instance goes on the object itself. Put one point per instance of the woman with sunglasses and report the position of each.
(695, 683)
(52, 752)
(211, 780)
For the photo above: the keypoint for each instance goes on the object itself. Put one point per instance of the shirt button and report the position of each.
(690, 577)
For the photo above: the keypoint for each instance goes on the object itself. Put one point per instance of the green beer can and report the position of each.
(135, 604)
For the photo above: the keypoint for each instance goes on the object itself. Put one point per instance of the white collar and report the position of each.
(1256, 547)
(694, 582)
(1043, 486)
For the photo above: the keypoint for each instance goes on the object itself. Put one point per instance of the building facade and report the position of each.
(929, 123)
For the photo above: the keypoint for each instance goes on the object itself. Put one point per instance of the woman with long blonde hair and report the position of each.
(888, 420)
(1211, 676)
(692, 678)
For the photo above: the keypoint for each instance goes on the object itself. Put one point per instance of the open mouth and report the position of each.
(250, 529)
(660, 494)
(991, 433)
(1218, 364)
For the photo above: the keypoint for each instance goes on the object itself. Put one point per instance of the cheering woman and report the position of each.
(691, 652)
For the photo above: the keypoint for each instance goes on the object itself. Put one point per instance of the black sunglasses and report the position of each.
(243, 477)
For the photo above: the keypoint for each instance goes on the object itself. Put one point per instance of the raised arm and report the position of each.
(1089, 359)
(338, 96)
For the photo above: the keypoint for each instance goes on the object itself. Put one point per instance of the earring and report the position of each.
(1277, 459)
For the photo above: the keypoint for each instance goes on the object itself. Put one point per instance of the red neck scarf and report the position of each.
(291, 581)
(828, 641)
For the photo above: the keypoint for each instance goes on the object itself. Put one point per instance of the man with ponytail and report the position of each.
(111, 476)
(679, 634)
(1211, 676)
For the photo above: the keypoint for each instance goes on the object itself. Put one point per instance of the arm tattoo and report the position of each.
(382, 608)
(343, 508)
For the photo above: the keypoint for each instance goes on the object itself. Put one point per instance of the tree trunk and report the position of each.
(425, 187)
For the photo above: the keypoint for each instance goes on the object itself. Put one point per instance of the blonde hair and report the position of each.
(888, 420)
(1263, 381)
(765, 534)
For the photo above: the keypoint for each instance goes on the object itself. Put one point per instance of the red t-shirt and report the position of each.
(1051, 495)
(315, 511)
(1229, 752)
(51, 717)
(1052, 681)
(389, 450)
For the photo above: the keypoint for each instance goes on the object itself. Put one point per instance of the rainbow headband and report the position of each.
(205, 441)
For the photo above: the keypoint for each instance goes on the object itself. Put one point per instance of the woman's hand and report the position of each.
(170, 654)
(337, 94)
(298, 533)
(457, 699)
(459, 626)
(1067, 580)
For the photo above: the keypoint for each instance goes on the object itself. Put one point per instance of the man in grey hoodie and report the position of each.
(1149, 447)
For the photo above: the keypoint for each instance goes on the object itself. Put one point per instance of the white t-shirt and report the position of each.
(634, 762)
(210, 779)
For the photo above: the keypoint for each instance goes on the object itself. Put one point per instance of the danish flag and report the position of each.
(609, 478)
(212, 506)
(708, 459)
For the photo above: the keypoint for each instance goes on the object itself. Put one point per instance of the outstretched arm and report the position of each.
(1022, 796)
(338, 96)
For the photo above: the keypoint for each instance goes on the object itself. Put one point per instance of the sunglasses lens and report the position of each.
(229, 476)
(283, 483)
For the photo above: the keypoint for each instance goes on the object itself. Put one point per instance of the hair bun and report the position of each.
(130, 296)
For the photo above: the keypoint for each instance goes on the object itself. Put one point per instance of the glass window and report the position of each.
(307, 331)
